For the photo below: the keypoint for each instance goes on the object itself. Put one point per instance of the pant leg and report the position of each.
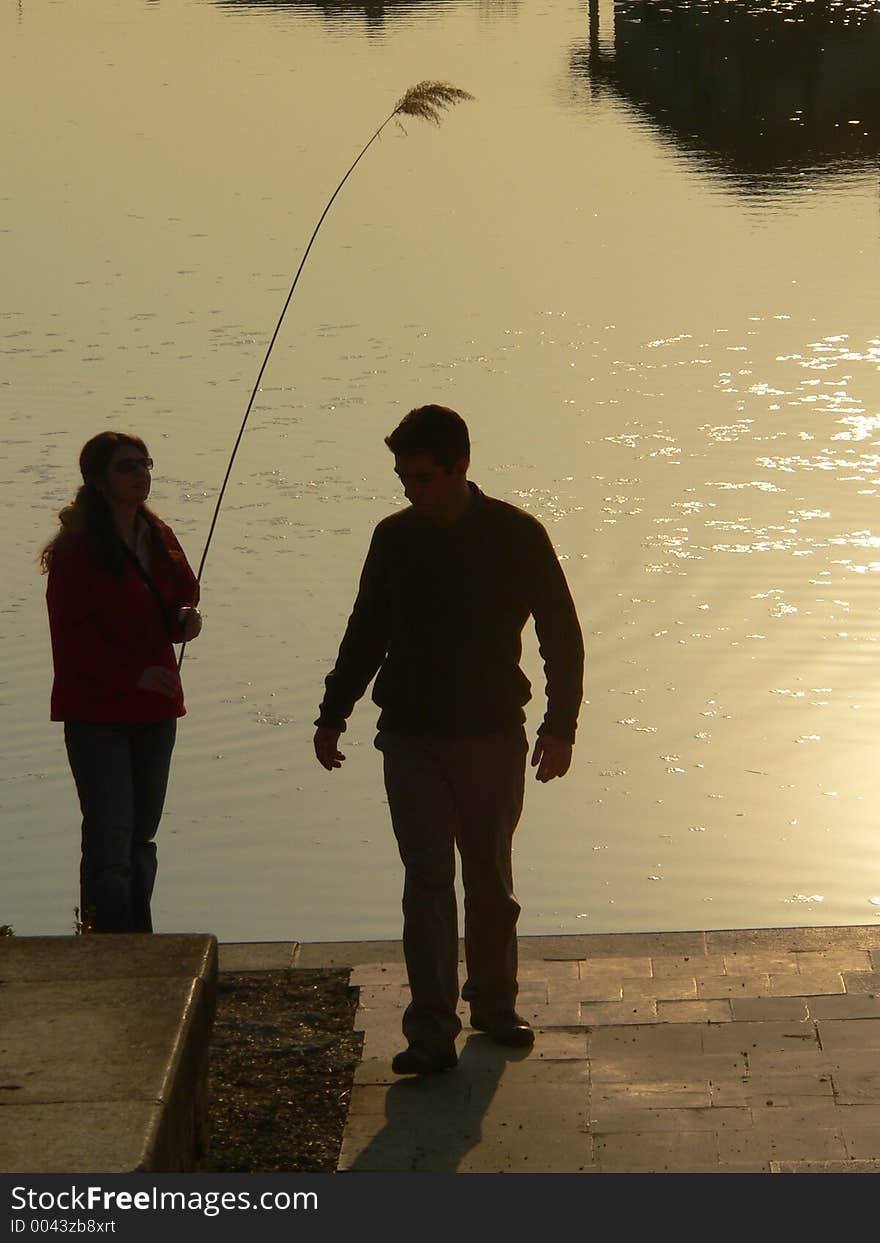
(489, 782)
(100, 760)
(152, 743)
(424, 816)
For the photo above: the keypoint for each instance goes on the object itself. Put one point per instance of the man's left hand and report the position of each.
(551, 757)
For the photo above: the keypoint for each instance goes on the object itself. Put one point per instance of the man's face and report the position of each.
(430, 488)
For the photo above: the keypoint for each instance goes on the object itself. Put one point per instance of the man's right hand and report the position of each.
(327, 747)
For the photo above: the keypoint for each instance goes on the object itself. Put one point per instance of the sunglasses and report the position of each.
(128, 465)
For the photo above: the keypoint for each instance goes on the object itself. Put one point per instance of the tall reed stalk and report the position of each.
(425, 100)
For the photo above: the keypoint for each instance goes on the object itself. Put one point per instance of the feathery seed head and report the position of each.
(428, 99)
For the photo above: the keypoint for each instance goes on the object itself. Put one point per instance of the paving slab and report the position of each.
(847, 1006)
(617, 1013)
(657, 1152)
(616, 967)
(757, 962)
(681, 988)
(257, 956)
(789, 1039)
(558, 1013)
(555, 1043)
(852, 1166)
(849, 1035)
(786, 1135)
(568, 969)
(694, 1011)
(712, 987)
(644, 1041)
(779, 1090)
(719, 1051)
(855, 1086)
(862, 982)
(838, 957)
(767, 1009)
(104, 1047)
(815, 982)
(673, 1094)
(862, 1142)
(592, 991)
(673, 966)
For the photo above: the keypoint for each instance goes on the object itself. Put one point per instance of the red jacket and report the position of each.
(107, 631)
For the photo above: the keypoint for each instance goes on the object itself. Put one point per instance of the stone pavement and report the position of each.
(728, 1051)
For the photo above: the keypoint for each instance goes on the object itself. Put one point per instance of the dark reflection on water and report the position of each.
(769, 93)
(373, 13)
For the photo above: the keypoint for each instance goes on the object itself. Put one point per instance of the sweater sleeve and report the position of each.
(560, 641)
(80, 640)
(363, 646)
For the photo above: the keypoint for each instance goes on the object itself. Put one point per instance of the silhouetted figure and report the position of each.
(446, 589)
(119, 593)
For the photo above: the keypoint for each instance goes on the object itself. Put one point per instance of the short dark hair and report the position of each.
(436, 430)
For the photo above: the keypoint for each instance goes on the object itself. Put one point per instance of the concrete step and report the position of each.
(104, 1046)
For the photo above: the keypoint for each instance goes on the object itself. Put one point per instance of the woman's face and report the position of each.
(128, 476)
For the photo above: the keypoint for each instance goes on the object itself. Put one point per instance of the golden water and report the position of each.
(659, 321)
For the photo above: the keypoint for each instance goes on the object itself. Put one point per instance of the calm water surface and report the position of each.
(642, 264)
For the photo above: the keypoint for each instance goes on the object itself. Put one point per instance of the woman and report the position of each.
(119, 593)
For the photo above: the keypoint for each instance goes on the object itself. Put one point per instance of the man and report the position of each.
(446, 589)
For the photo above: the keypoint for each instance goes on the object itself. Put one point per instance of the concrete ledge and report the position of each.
(104, 1050)
(348, 953)
(579, 946)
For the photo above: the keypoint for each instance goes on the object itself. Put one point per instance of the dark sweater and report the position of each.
(440, 613)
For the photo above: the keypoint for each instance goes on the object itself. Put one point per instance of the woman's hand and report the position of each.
(191, 620)
(160, 681)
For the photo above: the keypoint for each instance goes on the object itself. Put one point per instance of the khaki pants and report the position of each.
(443, 793)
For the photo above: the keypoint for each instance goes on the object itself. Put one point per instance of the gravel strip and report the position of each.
(283, 1057)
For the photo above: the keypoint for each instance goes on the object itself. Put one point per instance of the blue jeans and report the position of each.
(121, 774)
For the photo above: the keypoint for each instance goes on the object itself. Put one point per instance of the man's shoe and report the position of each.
(507, 1028)
(422, 1059)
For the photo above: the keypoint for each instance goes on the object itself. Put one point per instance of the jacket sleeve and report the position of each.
(186, 586)
(560, 641)
(81, 639)
(364, 643)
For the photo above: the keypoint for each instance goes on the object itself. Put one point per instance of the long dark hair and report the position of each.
(88, 515)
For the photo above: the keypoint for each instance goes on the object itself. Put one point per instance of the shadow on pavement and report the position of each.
(431, 1122)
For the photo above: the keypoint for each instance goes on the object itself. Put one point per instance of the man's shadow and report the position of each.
(432, 1121)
